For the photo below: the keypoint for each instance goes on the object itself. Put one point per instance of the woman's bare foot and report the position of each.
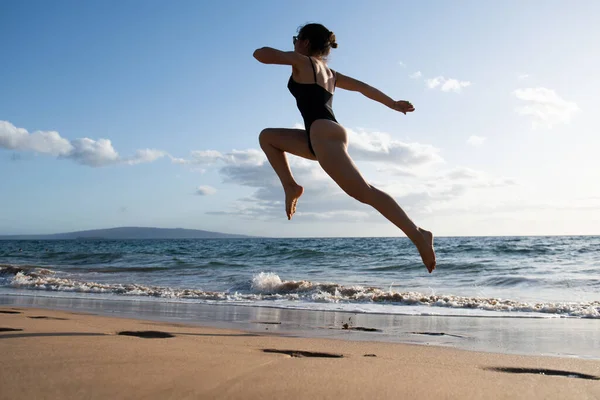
(425, 247)
(292, 194)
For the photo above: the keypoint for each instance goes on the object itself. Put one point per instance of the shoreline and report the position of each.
(73, 354)
(557, 337)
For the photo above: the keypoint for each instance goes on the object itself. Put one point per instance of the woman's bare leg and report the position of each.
(275, 142)
(330, 143)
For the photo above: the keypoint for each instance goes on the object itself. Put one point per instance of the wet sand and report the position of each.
(60, 354)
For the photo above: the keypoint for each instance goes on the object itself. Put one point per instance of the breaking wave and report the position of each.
(269, 286)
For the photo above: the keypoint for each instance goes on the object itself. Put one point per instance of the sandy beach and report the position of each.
(54, 354)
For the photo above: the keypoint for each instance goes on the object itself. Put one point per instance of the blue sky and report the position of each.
(147, 113)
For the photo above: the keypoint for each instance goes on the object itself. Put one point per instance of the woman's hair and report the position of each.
(321, 40)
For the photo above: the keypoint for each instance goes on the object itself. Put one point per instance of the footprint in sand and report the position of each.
(300, 353)
(147, 334)
(541, 371)
(360, 328)
(10, 329)
(438, 334)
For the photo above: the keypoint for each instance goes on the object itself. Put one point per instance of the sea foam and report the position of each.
(268, 286)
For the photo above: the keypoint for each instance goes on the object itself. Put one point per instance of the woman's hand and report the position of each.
(403, 106)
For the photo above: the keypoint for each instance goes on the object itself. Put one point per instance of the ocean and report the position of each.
(511, 277)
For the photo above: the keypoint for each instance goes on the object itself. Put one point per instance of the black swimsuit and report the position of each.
(313, 100)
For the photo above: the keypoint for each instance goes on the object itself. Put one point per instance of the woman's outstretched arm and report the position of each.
(354, 85)
(269, 55)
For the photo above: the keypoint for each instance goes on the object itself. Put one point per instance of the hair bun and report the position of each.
(332, 42)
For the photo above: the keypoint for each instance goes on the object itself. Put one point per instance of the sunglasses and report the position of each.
(296, 38)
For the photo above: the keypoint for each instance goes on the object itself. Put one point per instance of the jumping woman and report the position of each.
(312, 83)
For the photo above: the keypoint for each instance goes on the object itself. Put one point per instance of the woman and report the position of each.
(312, 83)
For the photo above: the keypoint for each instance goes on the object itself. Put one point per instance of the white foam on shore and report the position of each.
(270, 287)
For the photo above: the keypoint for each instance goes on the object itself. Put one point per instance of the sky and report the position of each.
(147, 113)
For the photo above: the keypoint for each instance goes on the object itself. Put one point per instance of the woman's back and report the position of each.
(313, 98)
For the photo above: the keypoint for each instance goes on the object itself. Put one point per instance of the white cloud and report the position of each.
(93, 153)
(416, 75)
(475, 179)
(205, 157)
(145, 156)
(250, 157)
(463, 173)
(235, 157)
(432, 83)
(337, 215)
(398, 171)
(522, 76)
(454, 85)
(400, 63)
(545, 107)
(363, 146)
(85, 151)
(177, 160)
(45, 142)
(323, 199)
(205, 190)
(246, 168)
(475, 140)
(420, 188)
(381, 147)
(446, 85)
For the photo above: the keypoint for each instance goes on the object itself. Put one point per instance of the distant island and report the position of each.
(128, 233)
